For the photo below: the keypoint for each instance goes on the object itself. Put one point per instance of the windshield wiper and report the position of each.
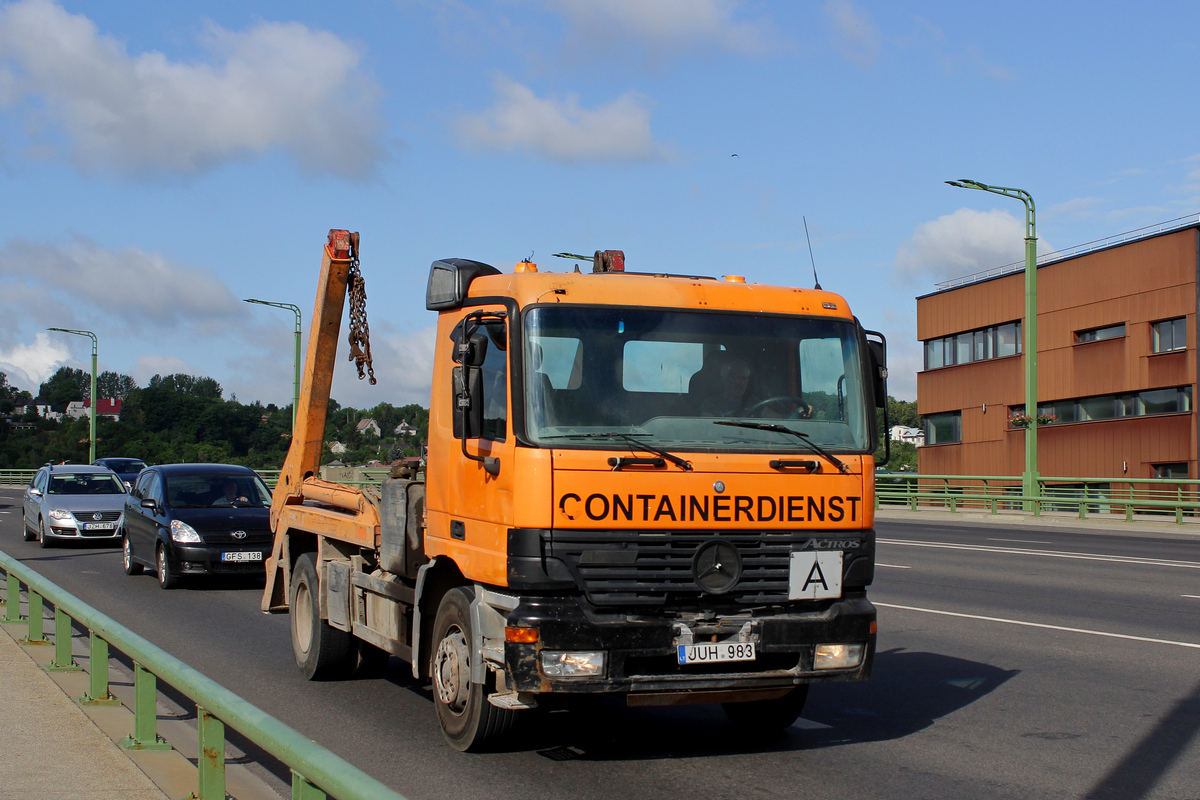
(686, 466)
(804, 437)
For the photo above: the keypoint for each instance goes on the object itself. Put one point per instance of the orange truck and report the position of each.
(652, 485)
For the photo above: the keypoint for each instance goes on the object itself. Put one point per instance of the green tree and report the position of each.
(196, 386)
(66, 385)
(113, 385)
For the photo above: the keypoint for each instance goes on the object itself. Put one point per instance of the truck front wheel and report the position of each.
(469, 722)
(322, 652)
(768, 715)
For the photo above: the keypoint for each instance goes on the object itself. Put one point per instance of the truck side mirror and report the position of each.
(878, 355)
(468, 386)
(468, 402)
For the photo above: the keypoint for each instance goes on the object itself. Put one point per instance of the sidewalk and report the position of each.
(1142, 524)
(52, 749)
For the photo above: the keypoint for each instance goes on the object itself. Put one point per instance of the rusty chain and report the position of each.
(360, 332)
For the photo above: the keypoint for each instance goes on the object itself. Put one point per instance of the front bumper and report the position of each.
(641, 652)
(56, 530)
(204, 559)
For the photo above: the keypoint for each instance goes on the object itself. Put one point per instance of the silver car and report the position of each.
(73, 501)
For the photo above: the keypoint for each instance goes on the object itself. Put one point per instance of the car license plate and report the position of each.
(242, 555)
(99, 526)
(709, 653)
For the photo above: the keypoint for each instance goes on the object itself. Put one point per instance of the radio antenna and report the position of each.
(816, 281)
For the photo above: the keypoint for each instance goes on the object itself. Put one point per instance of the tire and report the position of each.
(322, 652)
(469, 722)
(131, 567)
(767, 716)
(162, 565)
(29, 534)
(43, 540)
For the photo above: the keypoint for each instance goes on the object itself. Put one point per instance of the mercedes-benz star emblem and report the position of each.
(717, 566)
(238, 534)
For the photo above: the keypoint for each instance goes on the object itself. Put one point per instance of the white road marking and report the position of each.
(1023, 623)
(1026, 541)
(892, 566)
(1021, 551)
(1191, 596)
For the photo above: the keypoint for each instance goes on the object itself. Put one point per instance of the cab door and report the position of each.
(477, 459)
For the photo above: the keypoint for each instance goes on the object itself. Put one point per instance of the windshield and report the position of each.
(86, 483)
(216, 491)
(667, 376)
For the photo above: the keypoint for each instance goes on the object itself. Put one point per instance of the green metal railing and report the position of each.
(16, 477)
(316, 772)
(1176, 497)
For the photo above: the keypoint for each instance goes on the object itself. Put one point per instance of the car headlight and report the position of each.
(60, 514)
(184, 533)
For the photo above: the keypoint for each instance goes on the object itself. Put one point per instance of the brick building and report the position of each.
(1117, 363)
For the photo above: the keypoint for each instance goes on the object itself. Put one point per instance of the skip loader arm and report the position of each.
(345, 513)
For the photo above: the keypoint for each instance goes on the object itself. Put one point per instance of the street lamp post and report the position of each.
(1030, 485)
(94, 400)
(296, 361)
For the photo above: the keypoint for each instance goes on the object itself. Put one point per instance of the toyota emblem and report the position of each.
(716, 566)
(238, 534)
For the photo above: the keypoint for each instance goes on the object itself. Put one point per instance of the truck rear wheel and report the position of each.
(768, 715)
(469, 722)
(322, 651)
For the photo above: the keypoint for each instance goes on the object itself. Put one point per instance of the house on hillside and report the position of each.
(45, 410)
(368, 425)
(337, 448)
(404, 429)
(104, 408)
(902, 433)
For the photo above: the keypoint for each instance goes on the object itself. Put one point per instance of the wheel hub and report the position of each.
(452, 670)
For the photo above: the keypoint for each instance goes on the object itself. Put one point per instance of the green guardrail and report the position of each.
(1177, 497)
(16, 477)
(316, 772)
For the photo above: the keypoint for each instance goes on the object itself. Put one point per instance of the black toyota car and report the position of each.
(195, 519)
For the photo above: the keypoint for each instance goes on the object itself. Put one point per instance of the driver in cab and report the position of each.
(229, 494)
(724, 385)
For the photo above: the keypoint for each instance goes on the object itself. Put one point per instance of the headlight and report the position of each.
(184, 533)
(60, 514)
(571, 665)
(837, 656)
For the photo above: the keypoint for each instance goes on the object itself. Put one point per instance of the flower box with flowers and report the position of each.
(1021, 420)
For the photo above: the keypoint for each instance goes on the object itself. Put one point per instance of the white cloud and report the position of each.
(130, 285)
(148, 366)
(961, 243)
(562, 130)
(275, 86)
(29, 365)
(664, 24)
(854, 32)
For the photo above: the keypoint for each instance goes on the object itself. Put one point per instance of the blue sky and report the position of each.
(161, 161)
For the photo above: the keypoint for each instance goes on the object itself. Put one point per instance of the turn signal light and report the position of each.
(521, 635)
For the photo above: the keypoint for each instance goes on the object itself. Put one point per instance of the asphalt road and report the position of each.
(1014, 662)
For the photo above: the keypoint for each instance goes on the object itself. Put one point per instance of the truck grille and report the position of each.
(644, 568)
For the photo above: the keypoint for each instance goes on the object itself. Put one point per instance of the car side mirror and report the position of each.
(35, 492)
(150, 503)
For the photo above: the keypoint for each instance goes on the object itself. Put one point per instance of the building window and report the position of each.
(1176, 470)
(1169, 335)
(1107, 406)
(1100, 334)
(943, 428)
(978, 345)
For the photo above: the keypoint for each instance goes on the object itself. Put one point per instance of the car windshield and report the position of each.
(217, 491)
(595, 375)
(86, 483)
